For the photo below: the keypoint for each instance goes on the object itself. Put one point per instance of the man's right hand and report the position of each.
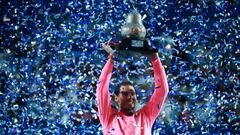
(107, 48)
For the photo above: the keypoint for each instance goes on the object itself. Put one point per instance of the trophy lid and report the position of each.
(134, 17)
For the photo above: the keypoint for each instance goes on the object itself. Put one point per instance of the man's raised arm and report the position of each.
(154, 105)
(103, 94)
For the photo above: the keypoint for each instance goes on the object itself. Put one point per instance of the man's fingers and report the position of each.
(107, 48)
(105, 45)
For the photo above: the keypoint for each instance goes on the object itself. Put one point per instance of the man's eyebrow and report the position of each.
(132, 90)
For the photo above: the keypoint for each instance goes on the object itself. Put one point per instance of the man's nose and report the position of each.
(129, 96)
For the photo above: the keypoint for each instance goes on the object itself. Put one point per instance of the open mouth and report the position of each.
(130, 104)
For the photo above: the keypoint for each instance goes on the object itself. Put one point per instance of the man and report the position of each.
(126, 120)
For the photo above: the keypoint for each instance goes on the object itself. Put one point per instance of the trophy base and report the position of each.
(136, 45)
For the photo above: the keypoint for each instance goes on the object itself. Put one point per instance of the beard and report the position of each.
(130, 105)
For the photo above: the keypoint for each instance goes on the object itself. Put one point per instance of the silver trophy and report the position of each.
(133, 28)
(133, 34)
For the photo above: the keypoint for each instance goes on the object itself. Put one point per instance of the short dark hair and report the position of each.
(117, 90)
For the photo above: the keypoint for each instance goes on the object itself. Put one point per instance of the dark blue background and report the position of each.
(51, 58)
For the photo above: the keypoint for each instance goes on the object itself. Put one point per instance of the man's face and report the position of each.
(126, 98)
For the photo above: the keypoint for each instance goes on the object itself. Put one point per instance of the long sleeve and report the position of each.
(103, 96)
(154, 105)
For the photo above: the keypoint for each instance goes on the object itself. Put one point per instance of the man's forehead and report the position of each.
(127, 88)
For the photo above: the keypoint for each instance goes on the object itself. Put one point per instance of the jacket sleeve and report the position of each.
(154, 105)
(103, 95)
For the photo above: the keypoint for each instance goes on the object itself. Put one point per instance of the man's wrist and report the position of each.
(153, 56)
(111, 58)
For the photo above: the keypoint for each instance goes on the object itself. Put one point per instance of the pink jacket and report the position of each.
(140, 123)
